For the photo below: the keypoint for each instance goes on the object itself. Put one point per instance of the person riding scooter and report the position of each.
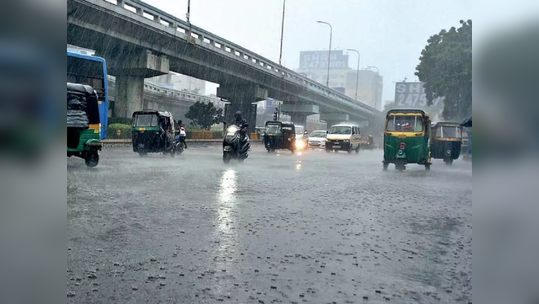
(242, 124)
(181, 134)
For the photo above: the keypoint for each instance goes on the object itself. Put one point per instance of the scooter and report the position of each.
(233, 146)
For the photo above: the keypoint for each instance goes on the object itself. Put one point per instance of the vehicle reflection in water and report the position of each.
(299, 165)
(225, 236)
(226, 200)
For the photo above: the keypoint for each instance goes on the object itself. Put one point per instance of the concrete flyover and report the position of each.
(140, 41)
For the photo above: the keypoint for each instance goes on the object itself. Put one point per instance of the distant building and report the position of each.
(370, 87)
(314, 65)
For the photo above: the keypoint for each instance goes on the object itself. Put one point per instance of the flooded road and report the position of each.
(310, 227)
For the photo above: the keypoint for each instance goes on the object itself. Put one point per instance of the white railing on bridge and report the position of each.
(164, 19)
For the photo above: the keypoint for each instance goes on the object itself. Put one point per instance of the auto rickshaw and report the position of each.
(406, 138)
(83, 123)
(446, 141)
(279, 135)
(153, 132)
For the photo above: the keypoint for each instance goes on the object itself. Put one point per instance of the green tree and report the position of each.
(445, 68)
(204, 114)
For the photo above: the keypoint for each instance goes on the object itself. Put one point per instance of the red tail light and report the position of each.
(403, 146)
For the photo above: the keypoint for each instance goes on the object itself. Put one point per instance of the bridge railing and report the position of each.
(192, 32)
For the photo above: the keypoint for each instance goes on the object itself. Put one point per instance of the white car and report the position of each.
(317, 139)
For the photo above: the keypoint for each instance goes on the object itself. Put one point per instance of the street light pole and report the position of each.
(188, 17)
(282, 34)
(357, 75)
(329, 53)
(376, 92)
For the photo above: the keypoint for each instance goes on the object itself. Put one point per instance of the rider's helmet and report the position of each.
(238, 115)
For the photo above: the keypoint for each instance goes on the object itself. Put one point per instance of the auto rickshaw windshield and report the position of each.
(448, 132)
(405, 123)
(146, 120)
(273, 129)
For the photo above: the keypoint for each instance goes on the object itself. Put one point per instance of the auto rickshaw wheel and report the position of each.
(399, 165)
(448, 161)
(92, 158)
(427, 167)
(142, 153)
(357, 149)
(386, 165)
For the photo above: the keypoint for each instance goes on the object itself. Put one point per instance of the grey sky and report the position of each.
(389, 34)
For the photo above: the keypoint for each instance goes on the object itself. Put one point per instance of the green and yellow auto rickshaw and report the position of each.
(279, 135)
(446, 141)
(406, 138)
(153, 132)
(83, 123)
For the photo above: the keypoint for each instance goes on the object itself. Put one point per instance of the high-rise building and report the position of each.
(369, 87)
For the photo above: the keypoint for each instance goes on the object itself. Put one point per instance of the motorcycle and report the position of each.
(233, 146)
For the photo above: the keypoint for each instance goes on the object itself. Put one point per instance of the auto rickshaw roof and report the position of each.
(406, 111)
(447, 123)
(79, 88)
(159, 113)
(467, 122)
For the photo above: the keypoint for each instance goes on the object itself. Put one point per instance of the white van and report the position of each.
(344, 137)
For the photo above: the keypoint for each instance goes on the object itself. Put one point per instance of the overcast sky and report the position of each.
(389, 34)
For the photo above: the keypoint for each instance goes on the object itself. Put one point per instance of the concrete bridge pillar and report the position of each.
(299, 119)
(242, 98)
(299, 111)
(334, 118)
(130, 69)
(129, 95)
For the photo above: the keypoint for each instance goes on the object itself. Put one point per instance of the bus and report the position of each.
(91, 70)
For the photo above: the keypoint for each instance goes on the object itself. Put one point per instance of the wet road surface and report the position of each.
(313, 227)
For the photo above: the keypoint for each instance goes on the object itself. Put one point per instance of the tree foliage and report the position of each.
(204, 115)
(445, 68)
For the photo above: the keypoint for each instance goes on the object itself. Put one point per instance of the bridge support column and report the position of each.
(334, 118)
(242, 98)
(129, 95)
(299, 111)
(130, 68)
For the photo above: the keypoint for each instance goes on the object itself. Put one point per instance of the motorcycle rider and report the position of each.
(181, 133)
(242, 124)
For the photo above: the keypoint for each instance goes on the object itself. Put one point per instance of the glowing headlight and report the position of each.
(300, 144)
(230, 131)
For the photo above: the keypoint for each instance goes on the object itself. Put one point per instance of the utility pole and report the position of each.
(357, 75)
(188, 15)
(282, 34)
